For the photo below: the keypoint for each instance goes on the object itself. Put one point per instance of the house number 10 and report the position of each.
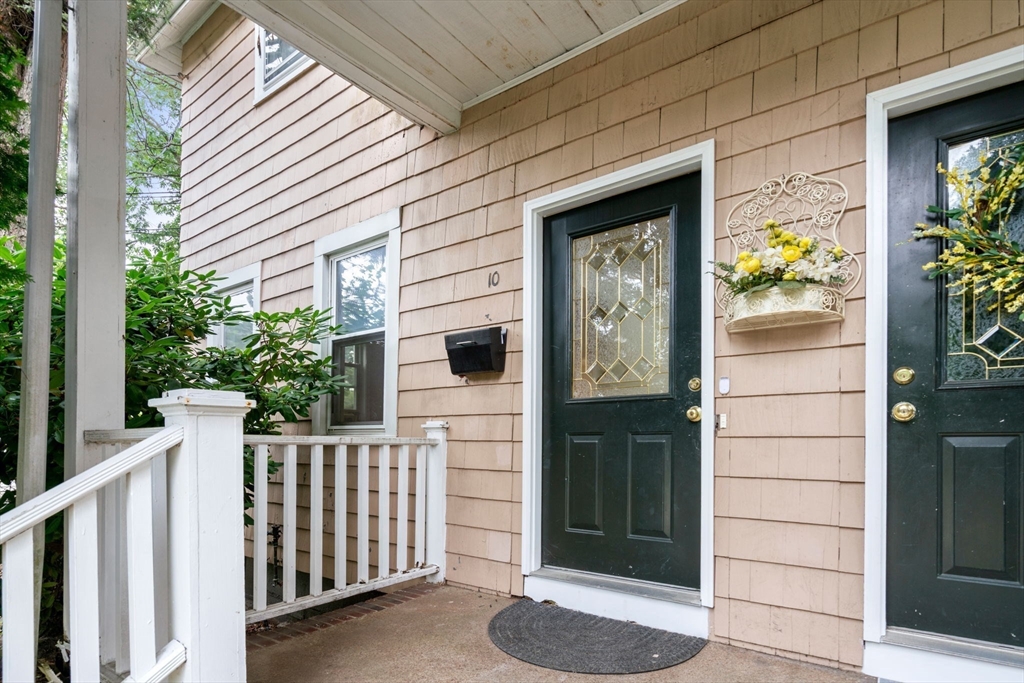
(493, 279)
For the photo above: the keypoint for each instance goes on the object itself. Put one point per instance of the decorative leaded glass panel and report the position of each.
(983, 341)
(620, 311)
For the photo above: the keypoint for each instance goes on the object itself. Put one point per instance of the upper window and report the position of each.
(356, 277)
(277, 62)
(243, 288)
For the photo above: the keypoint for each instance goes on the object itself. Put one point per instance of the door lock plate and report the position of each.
(903, 375)
(694, 384)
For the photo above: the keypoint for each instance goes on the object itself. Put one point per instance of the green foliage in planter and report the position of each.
(169, 313)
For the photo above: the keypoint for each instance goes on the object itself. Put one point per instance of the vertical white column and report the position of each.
(205, 533)
(437, 487)
(35, 347)
(95, 268)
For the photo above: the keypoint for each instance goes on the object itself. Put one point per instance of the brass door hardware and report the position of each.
(694, 384)
(904, 412)
(903, 375)
(693, 414)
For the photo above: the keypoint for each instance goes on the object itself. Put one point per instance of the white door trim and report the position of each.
(699, 157)
(951, 84)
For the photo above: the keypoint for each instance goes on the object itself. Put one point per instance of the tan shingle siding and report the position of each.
(779, 85)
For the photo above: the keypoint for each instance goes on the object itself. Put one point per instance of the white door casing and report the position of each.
(884, 659)
(696, 158)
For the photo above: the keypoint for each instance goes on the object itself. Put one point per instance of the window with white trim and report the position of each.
(356, 277)
(359, 286)
(243, 287)
(277, 62)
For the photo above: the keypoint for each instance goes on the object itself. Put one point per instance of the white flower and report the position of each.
(771, 259)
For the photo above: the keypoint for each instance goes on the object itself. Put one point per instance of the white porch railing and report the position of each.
(200, 559)
(419, 468)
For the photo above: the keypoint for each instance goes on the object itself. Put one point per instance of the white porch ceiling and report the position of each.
(431, 59)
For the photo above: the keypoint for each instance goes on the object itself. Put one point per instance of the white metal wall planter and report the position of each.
(808, 206)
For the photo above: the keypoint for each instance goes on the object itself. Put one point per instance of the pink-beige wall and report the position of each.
(779, 84)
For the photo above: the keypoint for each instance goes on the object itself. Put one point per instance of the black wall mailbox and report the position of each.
(476, 351)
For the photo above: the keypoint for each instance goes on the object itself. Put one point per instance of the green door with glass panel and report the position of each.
(621, 460)
(955, 521)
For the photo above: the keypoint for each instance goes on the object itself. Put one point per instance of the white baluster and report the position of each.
(259, 532)
(340, 516)
(316, 520)
(383, 511)
(419, 556)
(402, 540)
(141, 575)
(363, 518)
(19, 644)
(83, 588)
(291, 502)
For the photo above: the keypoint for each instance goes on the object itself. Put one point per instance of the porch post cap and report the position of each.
(203, 400)
(435, 424)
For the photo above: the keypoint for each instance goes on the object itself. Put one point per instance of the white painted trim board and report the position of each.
(348, 239)
(669, 616)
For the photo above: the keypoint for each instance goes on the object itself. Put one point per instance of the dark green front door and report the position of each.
(621, 461)
(955, 546)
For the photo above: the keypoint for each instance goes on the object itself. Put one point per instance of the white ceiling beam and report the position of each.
(344, 49)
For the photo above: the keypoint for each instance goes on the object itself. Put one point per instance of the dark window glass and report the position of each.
(278, 57)
(361, 363)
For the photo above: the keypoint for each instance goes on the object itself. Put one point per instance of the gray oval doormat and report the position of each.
(567, 640)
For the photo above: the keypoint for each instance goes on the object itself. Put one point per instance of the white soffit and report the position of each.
(164, 51)
(431, 59)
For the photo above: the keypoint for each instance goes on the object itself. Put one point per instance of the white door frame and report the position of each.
(886, 659)
(699, 157)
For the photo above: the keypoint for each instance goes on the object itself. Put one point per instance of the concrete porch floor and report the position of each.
(442, 636)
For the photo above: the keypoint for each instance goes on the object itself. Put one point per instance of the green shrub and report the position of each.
(169, 313)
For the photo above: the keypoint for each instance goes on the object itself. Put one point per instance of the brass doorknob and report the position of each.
(693, 414)
(904, 412)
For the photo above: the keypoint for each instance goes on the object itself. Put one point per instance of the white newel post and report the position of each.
(205, 532)
(436, 494)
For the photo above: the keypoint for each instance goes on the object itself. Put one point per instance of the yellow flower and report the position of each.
(838, 252)
(791, 253)
(771, 224)
(741, 257)
(805, 243)
(929, 266)
(790, 275)
(773, 243)
(752, 266)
